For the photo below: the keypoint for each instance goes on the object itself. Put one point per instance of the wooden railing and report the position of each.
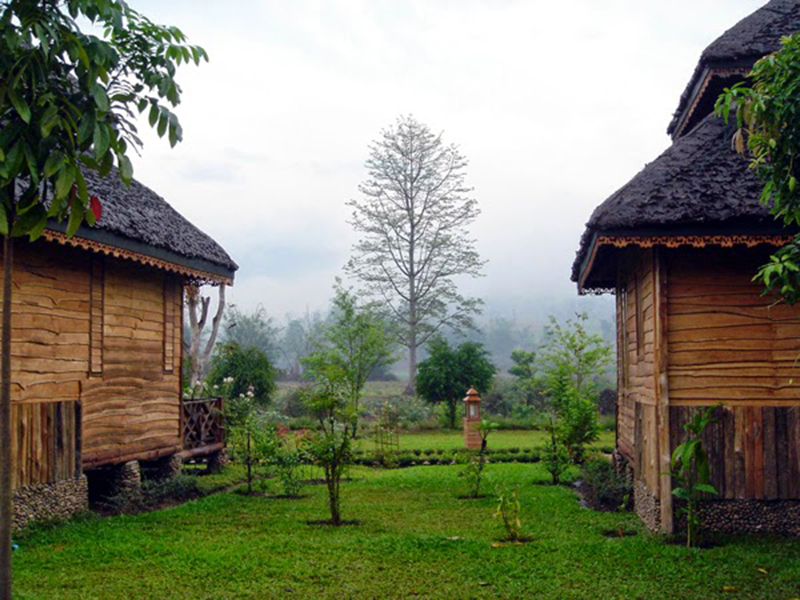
(203, 425)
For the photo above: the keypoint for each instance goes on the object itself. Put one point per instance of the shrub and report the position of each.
(608, 489)
(249, 369)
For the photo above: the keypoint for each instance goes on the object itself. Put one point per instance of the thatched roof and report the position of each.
(136, 218)
(741, 45)
(699, 184)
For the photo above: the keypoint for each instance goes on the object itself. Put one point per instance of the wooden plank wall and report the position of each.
(133, 411)
(88, 337)
(754, 451)
(637, 434)
(727, 341)
(730, 344)
(45, 442)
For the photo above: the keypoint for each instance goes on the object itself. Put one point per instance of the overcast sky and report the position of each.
(555, 104)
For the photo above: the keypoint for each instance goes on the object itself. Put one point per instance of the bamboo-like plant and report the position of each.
(508, 510)
(691, 470)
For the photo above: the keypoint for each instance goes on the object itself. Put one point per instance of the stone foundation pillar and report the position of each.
(164, 468)
(218, 461)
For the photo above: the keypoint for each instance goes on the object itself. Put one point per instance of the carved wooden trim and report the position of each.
(695, 241)
(701, 92)
(108, 250)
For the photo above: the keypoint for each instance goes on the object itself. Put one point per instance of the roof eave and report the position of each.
(205, 269)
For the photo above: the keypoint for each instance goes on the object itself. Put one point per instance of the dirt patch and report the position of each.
(329, 523)
(619, 533)
(506, 542)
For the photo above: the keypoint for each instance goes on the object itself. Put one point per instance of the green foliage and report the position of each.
(768, 119)
(508, 509)
(356, 342)
(608, 489)
(250, 369)
(692, 472)
(68, 101)
(578, 426)
(554, 455)
(476, 462)
(250, 440)
(528, 378)
(287, 458)
(447, 373)
(573, 360)
(330, 446)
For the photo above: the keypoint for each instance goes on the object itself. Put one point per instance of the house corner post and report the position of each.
(661, 369)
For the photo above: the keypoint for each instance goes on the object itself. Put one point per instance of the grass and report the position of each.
(454, 440)
(415, 538)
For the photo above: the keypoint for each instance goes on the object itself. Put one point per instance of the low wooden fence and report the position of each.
(203, 425)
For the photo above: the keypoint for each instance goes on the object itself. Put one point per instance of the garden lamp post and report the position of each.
(472, 418)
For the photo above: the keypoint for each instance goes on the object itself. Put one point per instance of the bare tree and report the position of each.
(198, 352)
(413, 217)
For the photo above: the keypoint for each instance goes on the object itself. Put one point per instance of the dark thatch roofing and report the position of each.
(137, 218)
(698, 183)
(744, 43)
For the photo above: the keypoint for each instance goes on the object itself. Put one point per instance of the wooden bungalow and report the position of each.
(679, 245)
(96, 345)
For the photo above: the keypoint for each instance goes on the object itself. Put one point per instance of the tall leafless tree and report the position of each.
(413, 215)
(198, 352)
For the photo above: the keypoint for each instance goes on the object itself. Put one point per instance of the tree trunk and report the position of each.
(6, 507)
(452, 409)
(411, 388)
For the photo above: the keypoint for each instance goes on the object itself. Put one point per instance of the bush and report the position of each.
(607, 401)
(607, 489)
(249, 369)
(292, 405)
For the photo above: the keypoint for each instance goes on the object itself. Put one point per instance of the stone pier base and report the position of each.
(114, 482)
(218, 461)
(59, 500)
(163, 468)
(647, 506)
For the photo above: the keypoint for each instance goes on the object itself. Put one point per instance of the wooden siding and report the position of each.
(134, 410)
(88, 336)
(636, 354)
(754, 451)
(45, 442)
(96, 316)
(728, 343)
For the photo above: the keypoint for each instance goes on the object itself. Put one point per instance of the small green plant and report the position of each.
(473, 471)
(249, 439)
(287, 460)
(554, 455)
(692, 473)
(508, 511)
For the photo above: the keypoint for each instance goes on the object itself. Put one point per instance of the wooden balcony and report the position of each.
(203, 427)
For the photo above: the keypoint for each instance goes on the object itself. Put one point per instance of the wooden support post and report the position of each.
(660, 369)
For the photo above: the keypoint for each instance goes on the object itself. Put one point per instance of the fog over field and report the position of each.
(556, 105)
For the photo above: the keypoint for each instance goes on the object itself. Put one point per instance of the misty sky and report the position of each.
(555, 104)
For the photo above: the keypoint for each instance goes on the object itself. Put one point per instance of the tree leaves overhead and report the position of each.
(413, 215)
(768, 117)
(69, 98)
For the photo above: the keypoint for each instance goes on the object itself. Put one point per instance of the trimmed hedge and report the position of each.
(410, 458)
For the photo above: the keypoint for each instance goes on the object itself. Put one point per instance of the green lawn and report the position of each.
(454, 440)
(416, 539)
